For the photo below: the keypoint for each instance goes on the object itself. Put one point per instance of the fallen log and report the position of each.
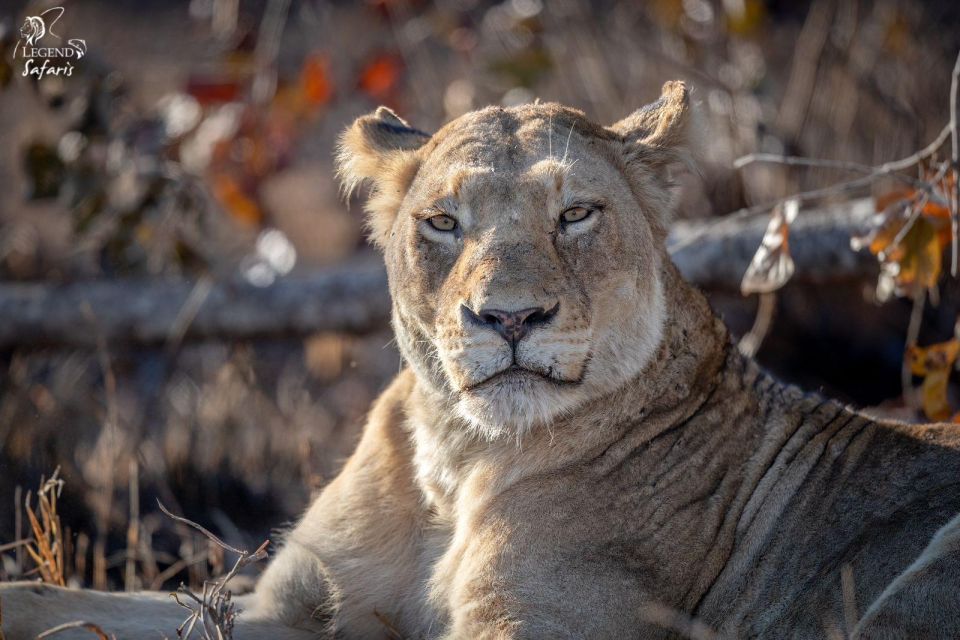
(714, 255)
(353, 298)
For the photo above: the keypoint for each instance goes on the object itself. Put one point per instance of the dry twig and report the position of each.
(213, 613)
(7, 546)
(955, 156)
(79, 624)
(133, 530)
(880, 171)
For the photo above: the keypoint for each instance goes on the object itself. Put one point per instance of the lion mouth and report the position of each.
(516, 374)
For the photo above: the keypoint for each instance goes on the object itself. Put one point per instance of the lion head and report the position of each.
(32, 30)
(524, 249)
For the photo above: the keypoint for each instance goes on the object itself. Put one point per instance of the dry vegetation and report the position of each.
(123, 172)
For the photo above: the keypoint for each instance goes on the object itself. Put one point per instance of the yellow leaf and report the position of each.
(934, 363)
(920, 255)
(745, 17)
(935, 404)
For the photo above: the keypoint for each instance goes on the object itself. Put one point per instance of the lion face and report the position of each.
(32, 30)
(524, 251)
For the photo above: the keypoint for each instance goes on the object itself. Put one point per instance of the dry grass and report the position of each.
(46, 547)
(212, 612)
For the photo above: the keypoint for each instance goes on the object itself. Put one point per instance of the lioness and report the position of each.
(575, 447)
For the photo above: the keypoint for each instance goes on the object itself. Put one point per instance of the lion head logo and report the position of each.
(36, 27)
(32, 30)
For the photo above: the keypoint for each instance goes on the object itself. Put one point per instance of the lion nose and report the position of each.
(512, 325)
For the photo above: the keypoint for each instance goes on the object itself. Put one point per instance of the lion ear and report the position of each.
(660, 133)
(380, 148)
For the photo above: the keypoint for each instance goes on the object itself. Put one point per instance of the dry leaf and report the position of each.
(909, 236)
(934, 364)
(772, 266)
(233, 198)
(315, 81)
(381, 76)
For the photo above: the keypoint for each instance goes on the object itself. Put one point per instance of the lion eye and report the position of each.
(442, 223)
(575, 214)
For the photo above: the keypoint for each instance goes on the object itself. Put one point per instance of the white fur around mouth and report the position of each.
(518, 372)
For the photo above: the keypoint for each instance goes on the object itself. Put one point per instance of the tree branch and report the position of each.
(955, 156)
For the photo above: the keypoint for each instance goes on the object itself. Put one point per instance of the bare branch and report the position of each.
(201, 529)
(913, 333)
(855, 167)
(955, 156)
(871, 173)
(14, 545)
(79, 624)
(923, 154)
(215, 611)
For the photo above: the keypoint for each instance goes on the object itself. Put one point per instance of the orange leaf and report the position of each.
(937, 356)
(908, 242)
(315, 81)
(944, 188)
(884, 201)
(208, 90)
(233, 198)
(934, 363)
(920, 254)
(381, 76)
(934, 396)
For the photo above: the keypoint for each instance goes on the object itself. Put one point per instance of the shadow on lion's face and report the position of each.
(524, 249)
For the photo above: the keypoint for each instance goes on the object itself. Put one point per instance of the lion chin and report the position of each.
(515, 401)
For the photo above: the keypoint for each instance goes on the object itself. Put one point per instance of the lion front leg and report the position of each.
(505, 585)
(354, 565)
(489, 592)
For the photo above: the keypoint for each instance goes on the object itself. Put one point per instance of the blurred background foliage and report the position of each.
(195, 141)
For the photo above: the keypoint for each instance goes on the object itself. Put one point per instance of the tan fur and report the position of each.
(624, 461)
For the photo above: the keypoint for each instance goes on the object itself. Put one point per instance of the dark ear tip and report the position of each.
(388, 115)
(385, 120)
